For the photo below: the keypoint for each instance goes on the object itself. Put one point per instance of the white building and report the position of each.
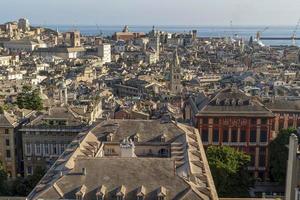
(23, 45)
(104, 51)
(37, 79)
(5, 60)
(61, 52)
(14, 76)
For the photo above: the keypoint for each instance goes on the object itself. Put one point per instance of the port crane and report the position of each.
(258, 33)
(100, 31)
(295, 32)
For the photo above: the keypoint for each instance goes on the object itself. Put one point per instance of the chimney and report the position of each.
(84, 171)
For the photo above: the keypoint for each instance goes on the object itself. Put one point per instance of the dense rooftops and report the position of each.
(85, 169)
(233, 102)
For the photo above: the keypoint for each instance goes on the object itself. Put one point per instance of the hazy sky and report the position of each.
(153, 12)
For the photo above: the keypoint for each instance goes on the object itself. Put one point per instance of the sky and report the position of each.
(153, 12)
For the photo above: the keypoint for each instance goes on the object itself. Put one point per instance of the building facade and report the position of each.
(287, 113)
(46, 137)
(104, 51)
(8, 145)
(233, 119)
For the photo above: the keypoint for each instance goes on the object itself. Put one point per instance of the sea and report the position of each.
(244, 32)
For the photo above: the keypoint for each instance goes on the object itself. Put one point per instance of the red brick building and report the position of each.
(287, 113)
(233, 119)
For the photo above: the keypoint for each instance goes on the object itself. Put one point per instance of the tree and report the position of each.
(23, 186)
(29, 99)
(229, 170)
(3, 179)
(279, 156)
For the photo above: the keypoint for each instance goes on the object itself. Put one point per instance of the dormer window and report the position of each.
(109, 137)
(136, 138)
(141, 192)
(218, 101)
(101, 193)
(81, 193)
(162, 193)
(233, 102)
(240, 102)
(163, 138)
(121, 193)
(227, 102)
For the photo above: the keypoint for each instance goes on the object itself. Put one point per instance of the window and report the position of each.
(100, 197)
(262, 157)
(216, 120)
(264, 120)
(62, 148)
(9, 174)
(6, 131)
(38, 149)
(8, 154)
(261, 175)
(281, 124)
(29, 170)
(120, 197)
(79, 197)
(243, 136)
(253, 135)
(28, 149)
(216, 135)
(253, 121)
(163, 152)
(62, 123)
(252, 151)
(46, 149)
(205, 121)
(204, 135)
(263, 136)
(225, 135)
(298, 123)
(54, 149)
(290, 123)
(7, 142)
(234, 136)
